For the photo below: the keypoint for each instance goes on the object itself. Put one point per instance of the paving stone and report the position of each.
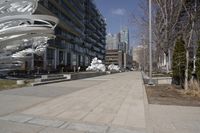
(90, 128)
(174, 119)
(64, 125)
(88, 110)
(16, 118)
(46, 122)
(58, 130)
(118, 101)
(13, 127)
(125, 130)
(13, 103)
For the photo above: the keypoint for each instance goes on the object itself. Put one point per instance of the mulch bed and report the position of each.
(170, 95)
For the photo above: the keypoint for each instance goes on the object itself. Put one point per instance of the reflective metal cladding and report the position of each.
(21, 32)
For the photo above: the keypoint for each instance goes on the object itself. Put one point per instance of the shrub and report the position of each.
(178, 63)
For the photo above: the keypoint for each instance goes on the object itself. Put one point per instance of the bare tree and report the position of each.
(165, 19)
(171, 18)
(142, 23)
(189, 23)
(168, 14)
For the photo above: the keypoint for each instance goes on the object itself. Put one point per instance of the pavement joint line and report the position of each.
(17, 118)
(107, 127)
(86, 127)
(42, 125)
(66, 124)
(91, 110)
(31, 118)
(47, 122)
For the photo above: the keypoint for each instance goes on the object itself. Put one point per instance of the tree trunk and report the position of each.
(169, 58)
(187, 56)
(167, 64)
(167, 61)
(186, 70)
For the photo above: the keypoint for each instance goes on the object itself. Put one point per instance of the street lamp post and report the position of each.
(150, 43)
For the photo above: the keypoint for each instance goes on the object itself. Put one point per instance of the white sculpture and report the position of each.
(21, 32)
(113, 67)
(97, 66)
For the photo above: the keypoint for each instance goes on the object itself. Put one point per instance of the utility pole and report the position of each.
(150, 43)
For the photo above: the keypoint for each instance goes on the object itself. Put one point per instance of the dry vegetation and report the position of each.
(10, 84)
(173, 95)
(194, 89)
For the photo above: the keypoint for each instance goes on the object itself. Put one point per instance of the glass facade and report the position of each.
(95, 31)
(80, 34)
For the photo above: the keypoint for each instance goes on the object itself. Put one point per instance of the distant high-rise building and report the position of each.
(124, 38)
(118, 44)
(109, 41)
(112, 41)
(122, 46)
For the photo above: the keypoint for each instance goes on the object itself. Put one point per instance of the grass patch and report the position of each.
(9, 84)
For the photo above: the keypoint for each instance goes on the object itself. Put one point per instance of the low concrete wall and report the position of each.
(67, 77)
(163, 80)
(156, 80)
(86, 75)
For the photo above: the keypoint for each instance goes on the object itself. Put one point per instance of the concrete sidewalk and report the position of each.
(174, 119)
(19, 99)
(110, 104)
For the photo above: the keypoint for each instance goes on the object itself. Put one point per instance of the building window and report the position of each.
(46, 3)
(61, 57)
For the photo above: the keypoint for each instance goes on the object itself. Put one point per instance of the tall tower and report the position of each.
(124, 38)
(112, 41)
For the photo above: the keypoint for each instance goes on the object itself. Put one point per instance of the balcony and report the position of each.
(95, 36)
(96, 49)
(88, 45)
(72, 7)
(92, 26)
(96, 23)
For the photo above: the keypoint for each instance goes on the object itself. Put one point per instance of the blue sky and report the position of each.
(117, 14)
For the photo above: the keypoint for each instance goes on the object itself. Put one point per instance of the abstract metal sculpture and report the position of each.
(96, 66)
(21, 32)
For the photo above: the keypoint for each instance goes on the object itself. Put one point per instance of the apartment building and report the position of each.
(80, 34)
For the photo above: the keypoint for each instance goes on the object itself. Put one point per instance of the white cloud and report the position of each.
(119, 11)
